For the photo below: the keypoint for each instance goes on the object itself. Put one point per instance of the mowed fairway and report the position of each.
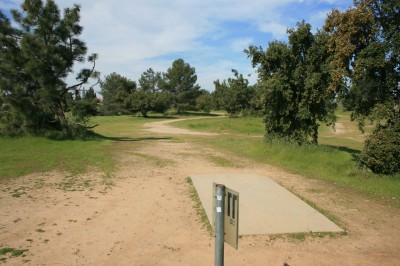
(123, 198)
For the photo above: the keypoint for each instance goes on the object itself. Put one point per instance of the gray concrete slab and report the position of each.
(265, 207)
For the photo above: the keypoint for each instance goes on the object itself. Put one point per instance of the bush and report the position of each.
(382, 150)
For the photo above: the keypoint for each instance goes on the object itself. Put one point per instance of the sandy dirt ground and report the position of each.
(146, 217)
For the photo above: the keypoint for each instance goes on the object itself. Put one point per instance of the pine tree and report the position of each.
(36, 57)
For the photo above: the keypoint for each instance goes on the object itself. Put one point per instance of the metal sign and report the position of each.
(231, 217)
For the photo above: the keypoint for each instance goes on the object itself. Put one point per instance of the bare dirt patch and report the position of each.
(148, 218)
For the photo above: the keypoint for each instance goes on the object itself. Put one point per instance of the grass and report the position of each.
(245, 126)
(25, 155)
(335, 160)
(198, 206)
(12, 251)
(300, 237)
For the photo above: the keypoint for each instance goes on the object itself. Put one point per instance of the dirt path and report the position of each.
(148, 218)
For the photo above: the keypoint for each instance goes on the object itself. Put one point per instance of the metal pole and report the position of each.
(219, 224)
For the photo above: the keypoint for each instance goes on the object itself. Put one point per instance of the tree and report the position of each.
(294, 78)
(204, 101)
(149, 97)
(364, 44)
(115, 89)
(36, 57)
(234, 95)
(180, 81)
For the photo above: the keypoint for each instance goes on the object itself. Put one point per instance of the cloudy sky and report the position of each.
(131, 36)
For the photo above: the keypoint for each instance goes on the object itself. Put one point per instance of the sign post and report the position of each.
(219, 224)
(226, 220)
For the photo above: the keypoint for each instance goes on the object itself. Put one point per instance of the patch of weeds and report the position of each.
(46, 241)
(86, 183)
(17, 193)
(72, 221)
(39, 183)
(297, 237)
(107, 181)
(13, 252)
(300, 237)
(40, 230)
(17, 220)
(29, 240)
(74, 183)
(68, 183)
(198, 206)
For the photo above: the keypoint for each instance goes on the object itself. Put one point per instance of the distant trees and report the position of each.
(180, 81)
(156, 92)
(115, 89)
(233, 95)
(36, 56)
(294, 78)
(149, 96)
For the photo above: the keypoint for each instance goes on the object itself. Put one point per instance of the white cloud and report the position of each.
(240, 44)
(133, 35)
(278, 30)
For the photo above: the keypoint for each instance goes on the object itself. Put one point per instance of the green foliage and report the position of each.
(115, 89)
(382, 149)
(36, 56)
(149, 97)
(180, 81)
(233, 95)
(294, 78)
(204, 102)
(14, 252)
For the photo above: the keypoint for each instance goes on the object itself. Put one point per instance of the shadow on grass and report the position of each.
(354, 153)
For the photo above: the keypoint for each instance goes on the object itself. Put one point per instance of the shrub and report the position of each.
(382, 150)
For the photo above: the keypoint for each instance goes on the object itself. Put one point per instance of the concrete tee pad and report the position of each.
(264, 206)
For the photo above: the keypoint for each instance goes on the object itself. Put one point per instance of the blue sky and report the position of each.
(131, 36)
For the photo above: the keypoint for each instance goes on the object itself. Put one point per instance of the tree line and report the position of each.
(154, 91)
(352, 62)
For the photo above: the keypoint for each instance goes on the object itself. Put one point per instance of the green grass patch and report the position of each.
(24, 155)
(12, 251)
(115, 127)
(241, 126)
(198, 206)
